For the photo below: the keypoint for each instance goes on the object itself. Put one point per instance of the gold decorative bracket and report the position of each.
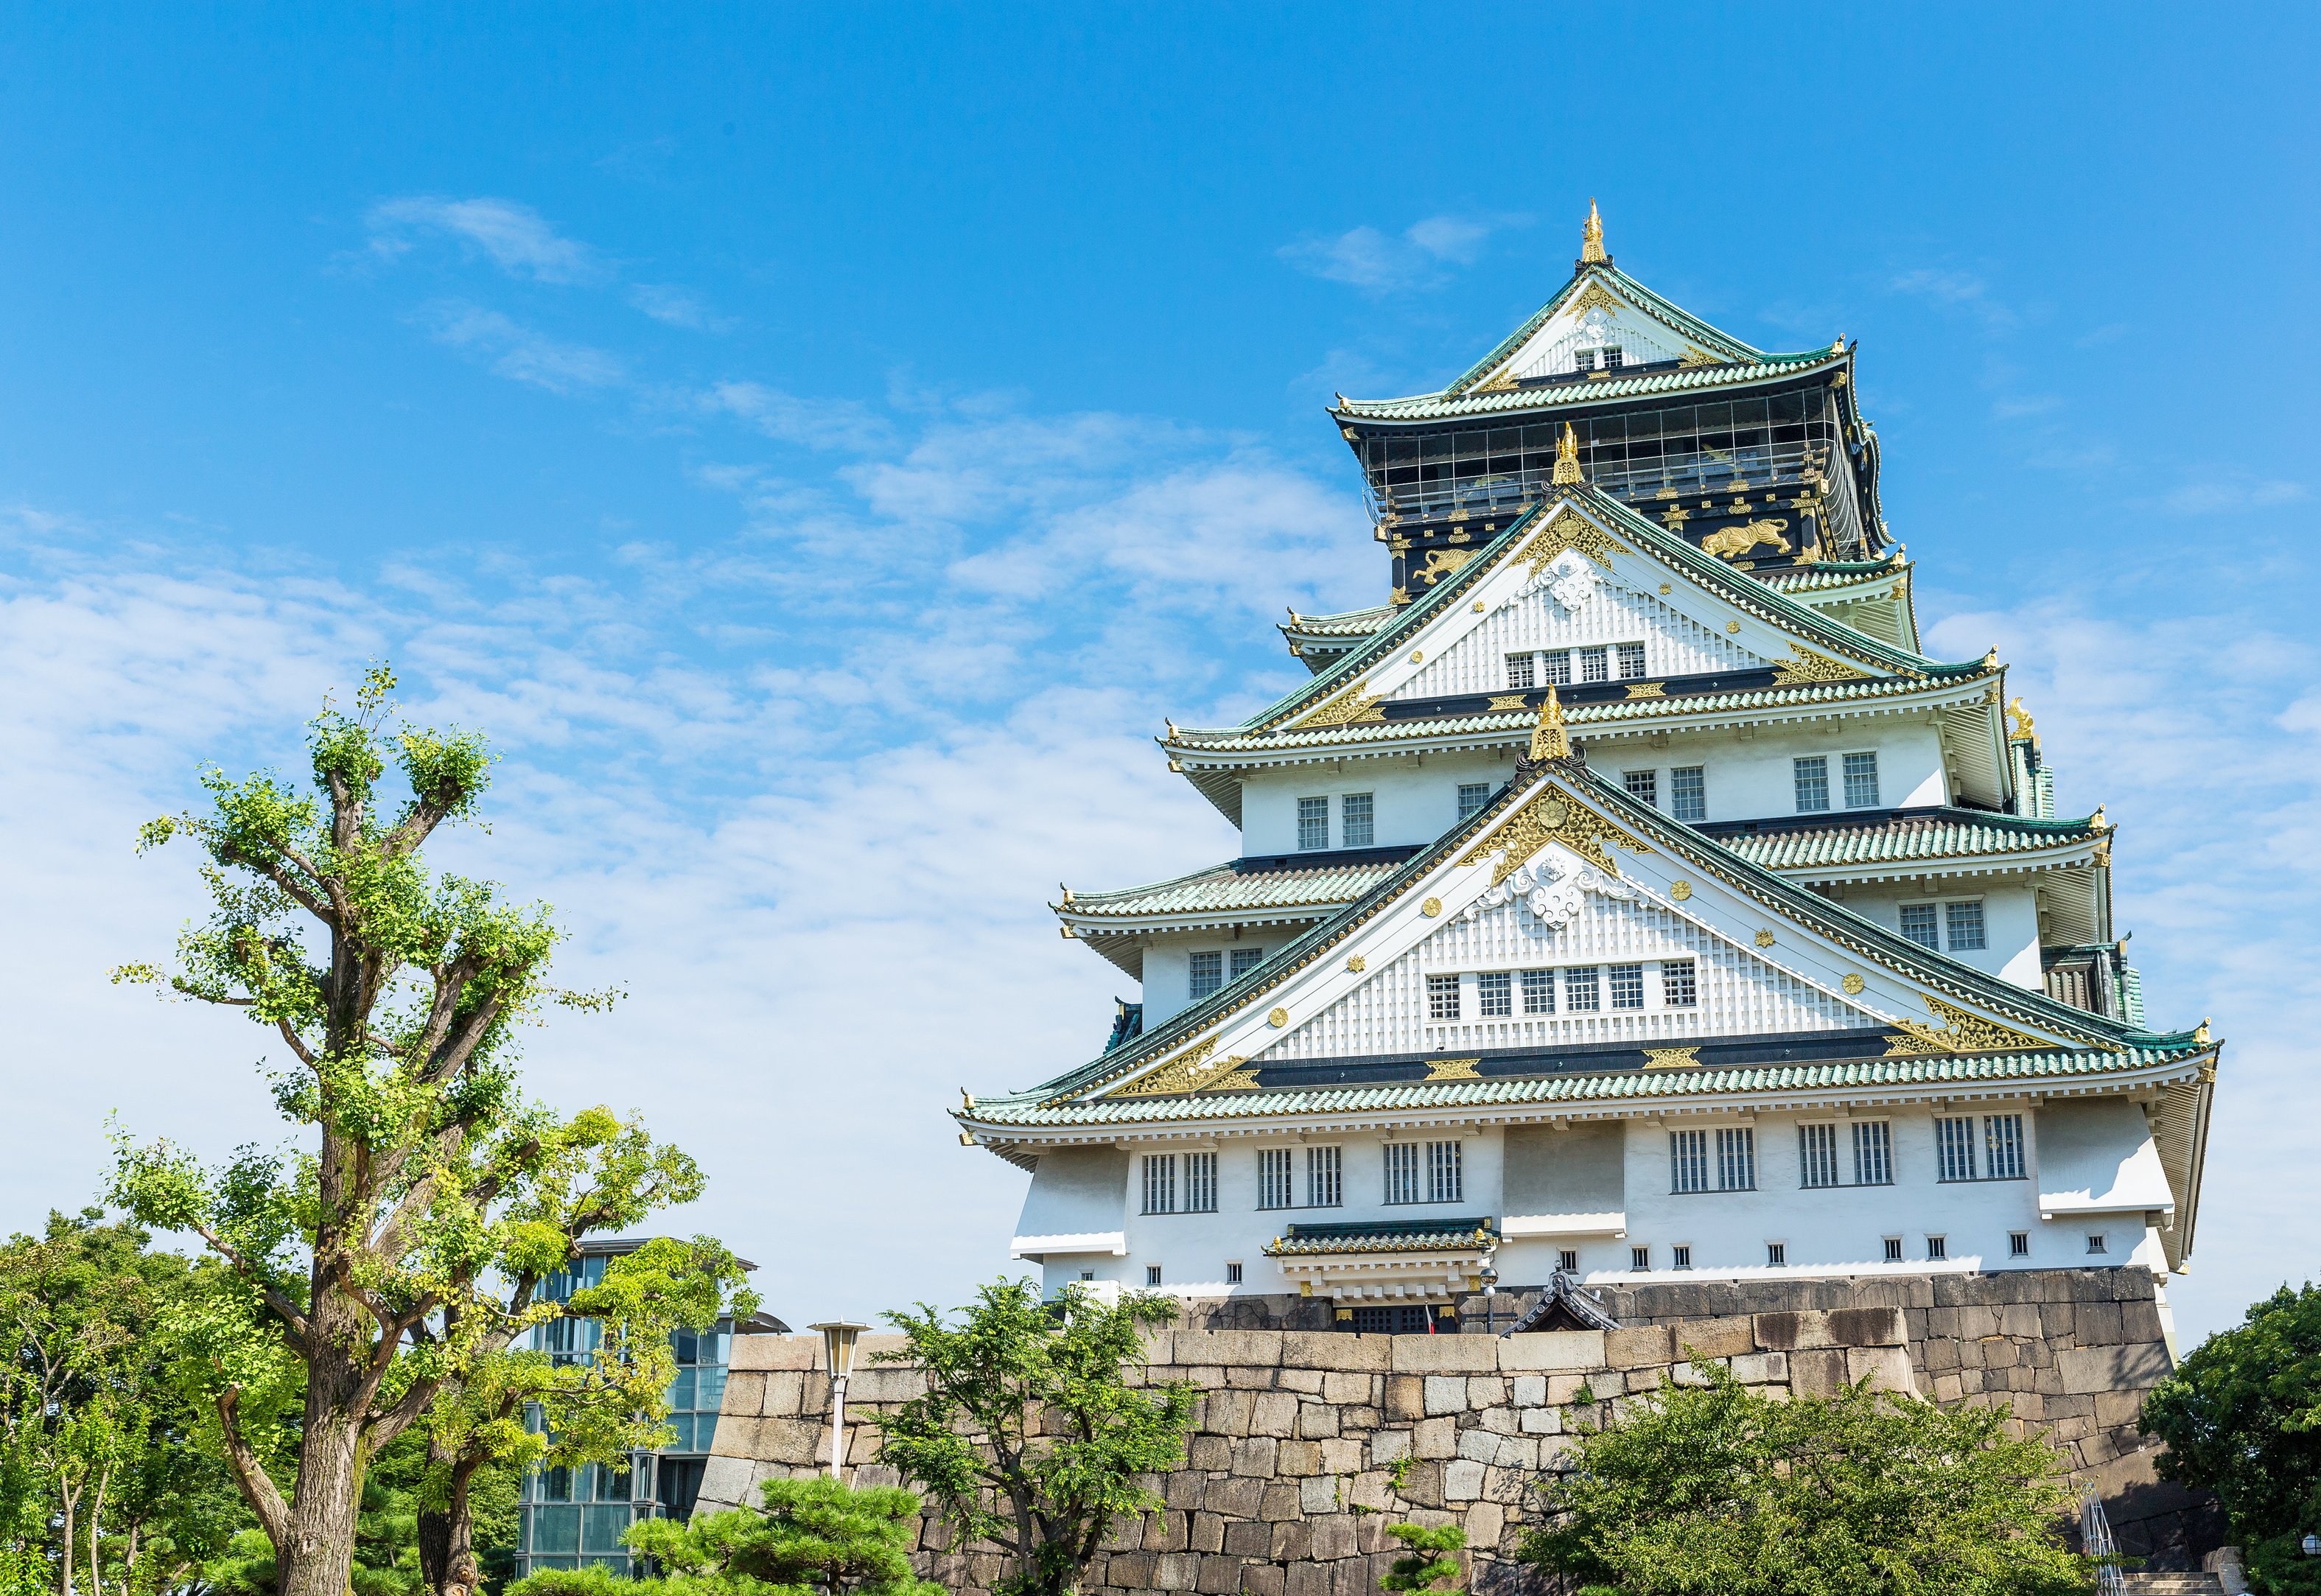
(1553, 817)
(1960, 1031)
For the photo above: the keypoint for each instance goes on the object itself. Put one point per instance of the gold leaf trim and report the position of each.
(1507, 701)
(1695, 356)
(1671, 1058)
(1648, 689)
(1452, 1069)
(1594, 296)
(1191, 1072)
(1552, 817)
(1570, 530)
(1852, 984)
(1960, 1031)
(1352, 707)
(1804, 665)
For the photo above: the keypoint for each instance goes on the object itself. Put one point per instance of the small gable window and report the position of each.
(1679, 987)
(1862, 780)
(1688, 794)
(1472, 796)
(1628, 985)
(1812, 776)
(1579, 990)
(1443, 997)
(1632, 661)
(1643, 786)
(1208, 973)
(1963, 922)
(1240, 962)
(1357, 812)
(1539, 992)
(1918, 925)
(1521, 671)
(1495, 993)
(1594, 664)
(1314, 824)
(1557, 666)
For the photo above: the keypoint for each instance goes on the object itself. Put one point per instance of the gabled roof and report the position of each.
(1899, 837)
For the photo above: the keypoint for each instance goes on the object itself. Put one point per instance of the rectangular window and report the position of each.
(1873, 1152)
(1688, 794)
(1402, 1172)
(1273, 1188)
(1777, 1252)
(1314, 824)
(1539, 992)
(1568, 1261)
(1446, 1174)
(1643, 786)
(1523, 670)
(1232, 1275)
(1963, 922)
(1556, 668)
(1594, 664)
(1240, 962)
(1579, 990)
(1443, 997)
(1736, 1159)
(1817, 1155)
(1200, 1183)
(1639, 1258)
(1688, 1160)
(1627, 983)
(1152, 1274)
(1861, 780)
(1813, 784)
(1208, 973)
(1918, 925)
(1161, 1182)
(1357, 826)
(1893, 1249)
(2095, 1244)
(1681, 1257)
(1632, 661)
(2018, 1244)
(1954, 1149)
(1679, 989)
(1472, 796)
(2002, 1147)
(1937, 1247)
(1495, 993)
(1326, 1185)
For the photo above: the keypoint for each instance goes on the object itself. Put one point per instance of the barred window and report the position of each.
(1873, 1152)
(2018, 1244)
(2096, 1243)
(1813, 784)
(1681, 1257)
(1628, 985)
(1472, 796)
(1688, 1160)
(1679, 987)
(1446, 1180)
(1963, 922)
(1817, 1155)
(1443, 997)
(1523, 670)
(1233, 1273)
(1273, 1188)
(1594, 664)
(1954, 1149)
(1688, 794)
(1555, 667)
(1326, 1185)
(1495, 993)
(1161, 1182)
(1639, 1258)
(1736, 1159)
(1356, 818)
(1632, 661)
(1568, 1261)
(1777, 1252)
(1862, 780)
(2002, 1147)
(1893, 1249)
(1313, 823)
(1918, 925)
(1580, 989)
(1152, 1274)
(1938, 1247)
(1200, 1183)
(1643, 786)
(1208, 973)
(1539, 992)
(1402, 1172)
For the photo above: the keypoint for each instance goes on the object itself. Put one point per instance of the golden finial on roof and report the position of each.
(1549, 740)
(1990, 660)
(2022, 718)
(2201, 1032)
(1566, 458)
(966, 1102)
(1591, 238)
(2099, 823)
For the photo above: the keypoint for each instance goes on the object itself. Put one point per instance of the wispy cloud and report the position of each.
(1368, 259)
(1956, 289)
(677, 307)
(516, 238)
(846, 424)
(2226, 496)
(517, 351)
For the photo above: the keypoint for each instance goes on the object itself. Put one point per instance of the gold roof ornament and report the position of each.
(1591, 238)
(1549, 738)
(1566, 458)
(2021, 716)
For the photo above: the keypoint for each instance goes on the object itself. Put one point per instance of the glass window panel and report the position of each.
(1736, 1160)
(555, 1529)
(1688, 1160)
(1495, 991)
(1539, 992)
(1817, 1155)
(1357, 814)
(1918, 925)
(1862, 780)
(1273, 1187)
(1688, 794)
(1679, 989)
(1313, 823)
(1812, 777)
(1325, 1177)
(1627, 984)
(1964, 924)
(601, 1529)
(1240, 962)
(1580, 989)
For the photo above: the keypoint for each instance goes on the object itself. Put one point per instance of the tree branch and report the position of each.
(258, 1487)
(293, 1319)
(298, 1042)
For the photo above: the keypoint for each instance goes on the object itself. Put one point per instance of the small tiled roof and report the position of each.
(1389, 1235)
(1829, 573)
(1940, 833)
(1354, 622)
(1242, 884)
(1495, 401)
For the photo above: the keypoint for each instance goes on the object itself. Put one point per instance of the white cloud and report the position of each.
(1370, 259)
(845, 424)
(677, 307)
(2225, 496)
(518, 239)
(518, 352)
(1961, 290)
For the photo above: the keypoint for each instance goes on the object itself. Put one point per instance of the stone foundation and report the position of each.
(1288, 1480)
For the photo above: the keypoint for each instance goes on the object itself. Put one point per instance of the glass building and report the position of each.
(569, 1518)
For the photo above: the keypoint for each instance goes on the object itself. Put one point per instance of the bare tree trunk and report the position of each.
(96, 1519)
(65, 1563)
(316, 1557)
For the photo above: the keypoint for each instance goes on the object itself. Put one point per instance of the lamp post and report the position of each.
(1490, 1278)
(838, 1338)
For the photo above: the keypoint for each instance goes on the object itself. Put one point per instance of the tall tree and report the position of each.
(1030, 1435)
(815, 1537)
(362, 1261)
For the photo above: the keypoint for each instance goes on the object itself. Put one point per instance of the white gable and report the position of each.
(1596, 318)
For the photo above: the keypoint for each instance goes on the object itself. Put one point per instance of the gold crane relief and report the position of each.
(1735, 541)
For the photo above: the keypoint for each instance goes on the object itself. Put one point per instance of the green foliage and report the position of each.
(2242, 1417)
(1430, 1565)
(1715, 1490)
(591, 1581)
(1029, 1434)
(814, 1534)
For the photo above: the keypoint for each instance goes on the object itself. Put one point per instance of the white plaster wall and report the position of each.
(2010, 920)
(1168, 985)
(1414, 798)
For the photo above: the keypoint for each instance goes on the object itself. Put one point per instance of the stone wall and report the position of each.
(1289, 1479)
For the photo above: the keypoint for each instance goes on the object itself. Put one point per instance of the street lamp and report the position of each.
(838, 1337)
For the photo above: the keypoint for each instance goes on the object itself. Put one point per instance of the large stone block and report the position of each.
(1232, 1495)
(1184, 1490)
(1552, 1350)
(2090, 1369)
(1211, 1452)
(1219, 1576)
(1462, 1480)
(1329, 1349)
(1280, 1504)
(1446, 1354)
(1247, 1537)
(1714, 1338)
(745, 1394)
(1346, 1390)
(1305, 1383)
(1333, 1536)
(1227, 1412)
(1486, 1391)
(2099, 1323)
(772, 1352)
(1405, 1397)
(1341, 1455)
(1640, 1347)
(1759, 1368)
(1868, 1326)
(1273, 1412)
(1177, 1571)
(1318, 1494)
(1445, 1393)
(1817, 1372)
(886, 1385)
(1247, 1349)
(1435, 1437)
(1255, 1456)
(1263, 1579)
(1297, 1459)
(1792, 1331)
(1887, 1368)
(1293, 1541)
(1386, 1445)
(1542, 1421)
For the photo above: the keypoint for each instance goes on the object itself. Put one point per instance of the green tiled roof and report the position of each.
(1954, 834)
(1354, 622)
(1829, 573)
(1444, 406)
(1635, 294)
(1028, 1112)
(1222, 886)
(1392, 1235)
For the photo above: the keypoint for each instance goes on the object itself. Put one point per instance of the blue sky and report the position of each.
(821, 447)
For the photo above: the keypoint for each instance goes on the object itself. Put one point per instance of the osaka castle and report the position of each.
(1626, 900)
